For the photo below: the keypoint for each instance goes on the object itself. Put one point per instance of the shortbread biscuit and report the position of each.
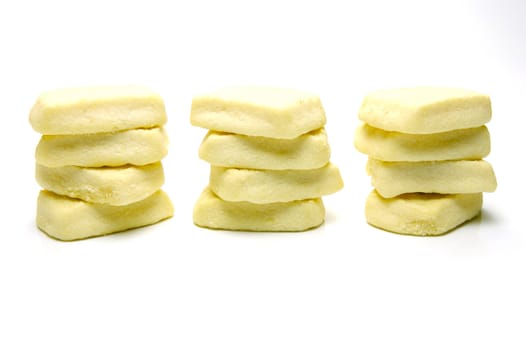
(473, 143)
(68, 219)
(422, 214)
(269, 186)
(86, 110)
(308, 151)
(425, 110)
(457, 176)
(212, 212)
(258, 111)
(137, 147)
(108, 185)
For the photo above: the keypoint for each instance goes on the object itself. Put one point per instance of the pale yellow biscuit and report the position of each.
(307, 151)
(425, 110)
(68, 219)
(212, 212)
(269, 186)
(258, 111)
(456, 176)
(108, 185)
(422, 214)
(473, 143)
(85, 110)
(137, 147)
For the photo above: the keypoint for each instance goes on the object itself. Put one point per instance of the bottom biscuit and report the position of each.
(421, 214)
(212, 212)
(69, 219)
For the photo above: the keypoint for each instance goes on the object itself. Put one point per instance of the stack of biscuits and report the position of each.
(99, 160)
(269, 157)
(425, 148)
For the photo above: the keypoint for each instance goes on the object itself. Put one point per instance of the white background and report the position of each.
(345, 285)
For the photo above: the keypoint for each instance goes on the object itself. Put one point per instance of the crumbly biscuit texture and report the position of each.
(137, 147)
(307, 151)
(421, 214)
(459, 176)
(98, 109)
(425, 110)
(212, 212)
(68, 219)
(473, 143)
(258, 111)
(268, 186)
(108, 185)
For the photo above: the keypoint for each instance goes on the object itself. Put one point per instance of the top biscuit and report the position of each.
(258, 111)
(86, 110)
(425, 110)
